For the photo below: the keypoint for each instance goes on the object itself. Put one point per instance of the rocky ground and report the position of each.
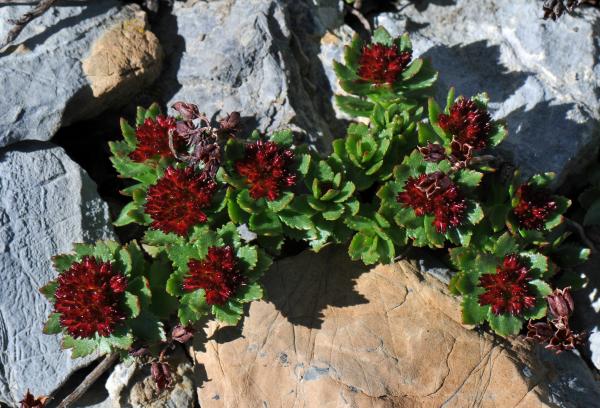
(331, 333)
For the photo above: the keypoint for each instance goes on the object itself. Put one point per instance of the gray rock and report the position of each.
(254, 56)
(47, 202)
(542, 76)
(587, 309)
(571, 383)
(70, 64)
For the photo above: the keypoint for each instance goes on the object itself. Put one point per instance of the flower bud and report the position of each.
(560, 303)
(182, 334)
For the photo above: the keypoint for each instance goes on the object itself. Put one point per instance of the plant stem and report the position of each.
(25, 19)
(486, 158)
(355, 10)
(91, 378)
(582, 235)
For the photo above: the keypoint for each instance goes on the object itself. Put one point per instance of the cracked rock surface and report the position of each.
(72, 63)
(542, 76)
(47, 202)
(335, 334)
(257, 57)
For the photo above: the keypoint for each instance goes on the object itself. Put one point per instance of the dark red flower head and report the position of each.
(380, 63)
(89, 298)
(434, 194)
(176, 201)
(266, 168)
(218, 274)
(153, 139)
(556, 333)
(534, 207)
(507, 290)
(468, 123)
(560, 303)
(433, 152)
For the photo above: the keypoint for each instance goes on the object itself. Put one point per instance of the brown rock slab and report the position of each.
(126, 58)
(335, 334)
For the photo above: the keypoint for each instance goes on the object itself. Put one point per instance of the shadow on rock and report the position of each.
(538, 138)
(473, 68)
(166, 29)
(422, 5)
(302, 287)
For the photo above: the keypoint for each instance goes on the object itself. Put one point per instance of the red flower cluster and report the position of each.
(434, 194)
(153, 139)
(217, 274)
(176, 201)
(266, 168)
(380, 63)
(470, 127)
(89, 297)
(507, 290)
(534, 208)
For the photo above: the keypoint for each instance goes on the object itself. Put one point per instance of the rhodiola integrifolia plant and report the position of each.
(218, 207)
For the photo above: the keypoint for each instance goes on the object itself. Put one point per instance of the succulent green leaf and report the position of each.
(505, 245)
(450, 100)
(404, 43)
(229, 313)
(281, 202)
(505, 324)
(472, 311)
(542, 180)
(148, 328)
(49, 289)
(304, 163)
(354, 106)
(153, 111)
(283, 138)
(53, 326)
(250, 292)
(132, 304)
(265, 223)
(382, 36)
(249, 204)
(128, 134)
(333, 212)
(248, 257)
(192, 307)
(140, 116)
(538, 263)
(63, 262)
(412, 70)
(79, 347)
(469, 179)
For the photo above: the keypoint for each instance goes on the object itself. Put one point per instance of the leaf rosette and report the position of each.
(262, 185)
(501, 284)
(536, 213)
(438, 206)
(102, 299)
(463, 130)
(319, 215)
(376, 239)
(215, 272)
(383, 72)
(157, 169)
